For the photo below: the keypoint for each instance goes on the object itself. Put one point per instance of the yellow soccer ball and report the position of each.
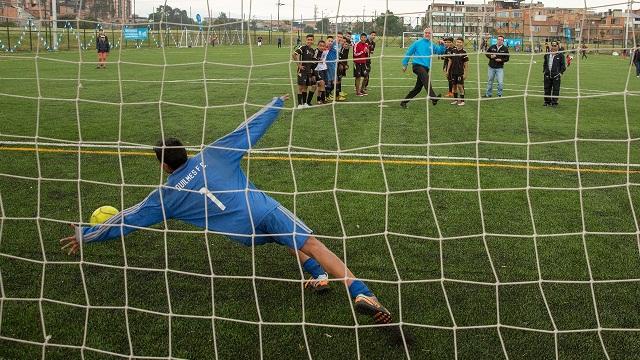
(102, 214)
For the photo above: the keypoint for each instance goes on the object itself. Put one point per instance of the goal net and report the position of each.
(409, 37)
(499, 219)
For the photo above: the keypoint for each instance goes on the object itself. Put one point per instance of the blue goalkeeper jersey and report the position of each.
(209, 191)
(332, 58)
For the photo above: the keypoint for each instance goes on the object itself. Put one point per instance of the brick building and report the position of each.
(457, 18)
(533, 22)
(22, 10)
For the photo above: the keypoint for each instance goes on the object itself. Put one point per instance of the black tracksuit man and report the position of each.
(553, 68)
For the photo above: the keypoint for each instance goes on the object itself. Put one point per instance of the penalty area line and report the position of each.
(344, 160)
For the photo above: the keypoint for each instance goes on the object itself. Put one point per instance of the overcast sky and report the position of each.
(262, 9)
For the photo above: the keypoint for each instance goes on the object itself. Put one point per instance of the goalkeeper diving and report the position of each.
(211, 191)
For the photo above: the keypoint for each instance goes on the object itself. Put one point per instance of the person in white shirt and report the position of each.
(321, 71)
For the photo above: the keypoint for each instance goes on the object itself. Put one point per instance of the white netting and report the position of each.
(402, 230)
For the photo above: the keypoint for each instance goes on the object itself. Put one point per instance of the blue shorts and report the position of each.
(279, 226)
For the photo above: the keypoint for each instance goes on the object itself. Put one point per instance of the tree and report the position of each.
(323, 25)
(88, 23)
(62, 20)
(309, 30)
(103, 9)
(356, 27)
(221, 19)
(170, 15)
(394, 24)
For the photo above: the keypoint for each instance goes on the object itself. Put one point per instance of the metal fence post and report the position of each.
(30, 40)
(8, 35)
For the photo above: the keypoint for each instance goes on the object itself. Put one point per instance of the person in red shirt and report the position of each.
(360, 55)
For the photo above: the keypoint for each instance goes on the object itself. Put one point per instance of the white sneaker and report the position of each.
(306, 105)
(301, 106)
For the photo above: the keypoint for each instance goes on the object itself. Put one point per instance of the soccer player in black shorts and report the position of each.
(304, 56)
(458, 68)
(360, 55)
(343, 65)
(371, 41)
(448, 42)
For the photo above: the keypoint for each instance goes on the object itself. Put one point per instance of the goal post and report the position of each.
(487, 224)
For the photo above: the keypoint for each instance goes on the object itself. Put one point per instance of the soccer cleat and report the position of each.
(449, 94)
(341, 98)
(301, 106)
(461, 103)
(455, 102)
(342, 93)
(359, 94)
(318, 285)
(434, 101)
(403, 104)
(369, 305)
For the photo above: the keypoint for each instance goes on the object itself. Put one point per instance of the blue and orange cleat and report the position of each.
(369, 305)
(319, 284)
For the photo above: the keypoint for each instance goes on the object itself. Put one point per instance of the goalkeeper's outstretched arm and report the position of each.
(249, 132)
(146, 213)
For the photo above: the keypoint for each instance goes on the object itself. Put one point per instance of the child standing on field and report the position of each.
(458, 67)
(569, 58)
(103, 47)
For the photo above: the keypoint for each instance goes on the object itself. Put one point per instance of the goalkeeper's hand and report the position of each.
(70, 244)
(284, 97)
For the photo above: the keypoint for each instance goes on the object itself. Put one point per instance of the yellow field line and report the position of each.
(346, 161)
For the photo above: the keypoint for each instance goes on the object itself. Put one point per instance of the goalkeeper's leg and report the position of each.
(319, 280)
(365, 302)
(286, 229)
